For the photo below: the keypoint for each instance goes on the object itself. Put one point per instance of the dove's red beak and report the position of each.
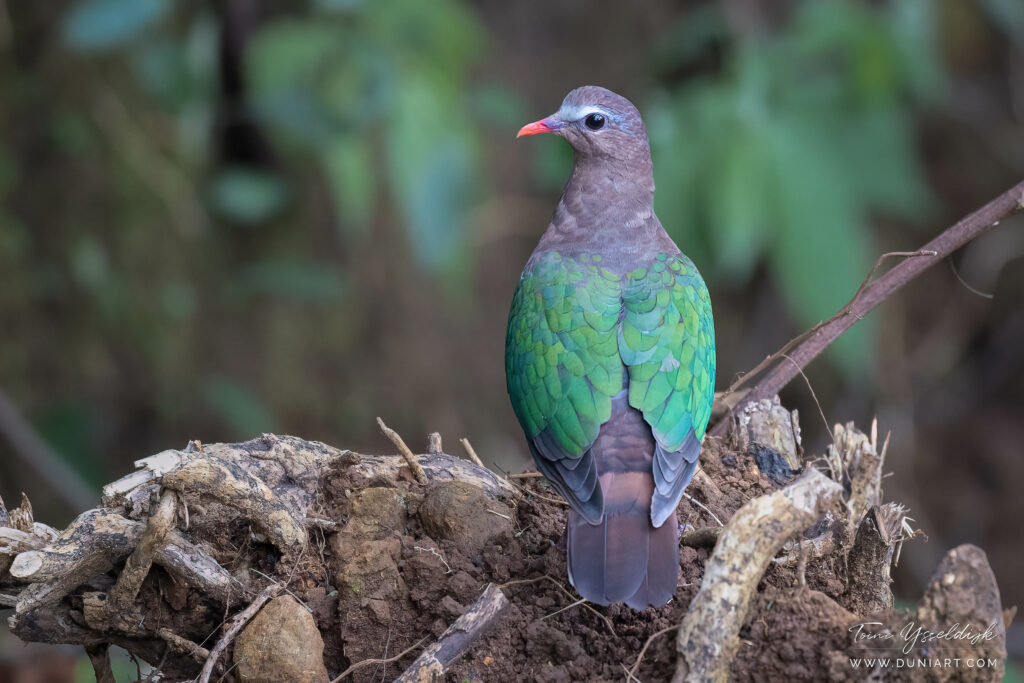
(548, 125)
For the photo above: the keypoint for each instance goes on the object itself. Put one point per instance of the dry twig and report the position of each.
(239, 621)
(410, 459)
(703, 507)
(471, 452)
(631, 672)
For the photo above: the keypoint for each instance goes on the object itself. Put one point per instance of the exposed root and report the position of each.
(231, 485)
(746, 546)
(215, 517)
(183, 645)
(159, 526)
(99, 656)
(367, 662)
(90, 546)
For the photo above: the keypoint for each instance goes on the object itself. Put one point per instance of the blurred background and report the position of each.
(225, 218)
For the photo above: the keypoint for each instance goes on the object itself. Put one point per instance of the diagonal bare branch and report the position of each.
(808, 345)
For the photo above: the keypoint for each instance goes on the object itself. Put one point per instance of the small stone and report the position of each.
(281, 645)
(460, 512)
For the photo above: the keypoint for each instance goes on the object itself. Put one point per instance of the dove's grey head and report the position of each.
(607, 205)
(598, 124)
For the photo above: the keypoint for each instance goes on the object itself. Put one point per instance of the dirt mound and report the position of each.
(390, 563)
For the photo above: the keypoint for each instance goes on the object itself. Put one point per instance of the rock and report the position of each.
(376, 513)
(460, 512)
(769, 425)
(368, 570)
(280, 645)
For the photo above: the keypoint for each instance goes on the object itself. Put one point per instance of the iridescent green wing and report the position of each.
(563, 368)
(667, 341)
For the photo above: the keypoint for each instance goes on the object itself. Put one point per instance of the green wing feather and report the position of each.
(561, 356)
(574, 325)
(667, 341)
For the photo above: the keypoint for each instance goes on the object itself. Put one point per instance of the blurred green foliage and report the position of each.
(177, 264)
(326, 84)
(787, 154)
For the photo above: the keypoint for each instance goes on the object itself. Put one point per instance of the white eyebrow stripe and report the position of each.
(575, 113)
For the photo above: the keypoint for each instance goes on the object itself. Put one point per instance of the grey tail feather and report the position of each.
(623, 559)
(670, 483)
(662, 577)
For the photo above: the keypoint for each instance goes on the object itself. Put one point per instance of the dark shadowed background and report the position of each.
(225, 218)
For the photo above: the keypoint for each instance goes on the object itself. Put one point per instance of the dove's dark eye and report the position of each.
(594, 121)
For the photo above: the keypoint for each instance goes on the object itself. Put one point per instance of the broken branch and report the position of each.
(807, 346)
(473, 623)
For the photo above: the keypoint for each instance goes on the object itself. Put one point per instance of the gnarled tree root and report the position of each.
(709, 635)
(369, 551)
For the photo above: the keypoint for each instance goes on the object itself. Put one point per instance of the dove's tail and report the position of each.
(624, 558)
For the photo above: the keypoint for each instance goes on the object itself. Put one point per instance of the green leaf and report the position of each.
(288, 53)
(499, 107)
(822, 252)
(72, 428)
(248, 196)
(879, 160)
(432, 164)
(162, 70)
(339, 5)
(285, 64)
(106, 24)
(738, 203)
(349, 167)
(680, 160)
